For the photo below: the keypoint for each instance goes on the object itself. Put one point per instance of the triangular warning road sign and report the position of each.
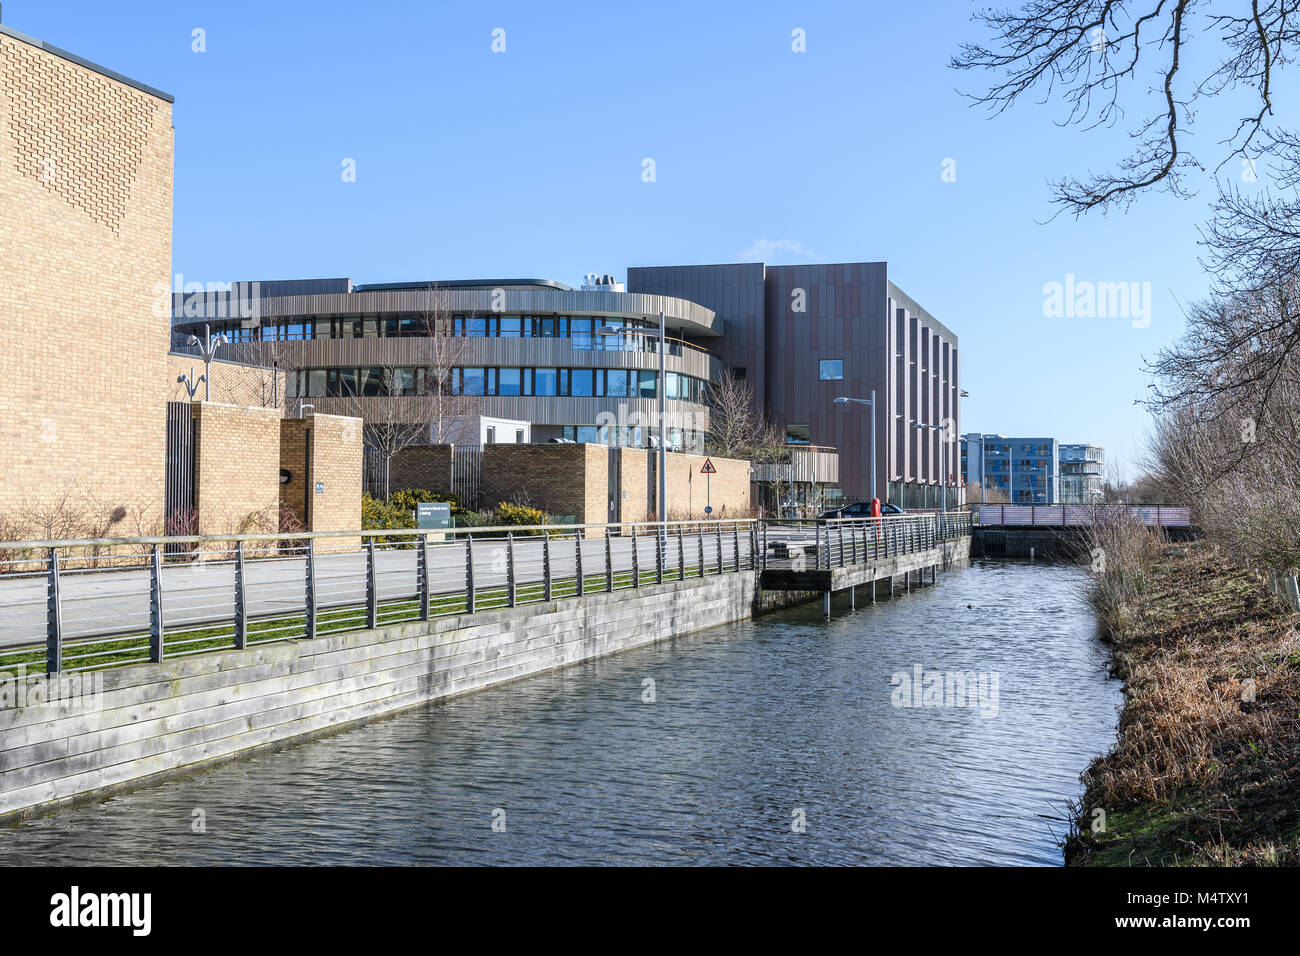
(708, 468)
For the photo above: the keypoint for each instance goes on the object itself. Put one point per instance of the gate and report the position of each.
(467, 474)
(179, 514)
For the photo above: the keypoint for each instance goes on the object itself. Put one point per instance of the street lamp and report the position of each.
(663, 429)
(943, 470)
(871, 402)
(208, 350)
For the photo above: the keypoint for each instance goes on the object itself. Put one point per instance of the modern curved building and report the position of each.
(578, 364)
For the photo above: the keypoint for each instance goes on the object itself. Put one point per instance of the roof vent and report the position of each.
(595, 282)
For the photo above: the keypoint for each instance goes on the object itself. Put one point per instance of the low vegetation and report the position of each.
(1205, 770)
(398, 512)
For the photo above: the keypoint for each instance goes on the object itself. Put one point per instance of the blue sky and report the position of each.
(471, 163)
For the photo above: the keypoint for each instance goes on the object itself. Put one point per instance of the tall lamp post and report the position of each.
(208, 350)
(872, 403)
(943, 469)
(660, 390)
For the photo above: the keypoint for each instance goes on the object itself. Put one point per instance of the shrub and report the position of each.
(379, 515)
(508, 514)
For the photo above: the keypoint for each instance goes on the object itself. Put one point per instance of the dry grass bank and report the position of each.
(1202, 774)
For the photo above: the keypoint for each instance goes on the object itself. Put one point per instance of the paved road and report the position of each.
(113, 602)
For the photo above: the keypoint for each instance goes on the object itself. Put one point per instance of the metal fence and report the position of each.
(841, 542)
(467, 474)
(1067, 516)
(88, 604)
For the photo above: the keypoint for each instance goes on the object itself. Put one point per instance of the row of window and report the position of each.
(542, 382)
(679, 439)
(587, 332)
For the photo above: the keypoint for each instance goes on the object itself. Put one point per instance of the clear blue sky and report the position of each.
(528, 163)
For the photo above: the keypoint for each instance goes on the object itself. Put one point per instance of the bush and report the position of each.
(507, 514)
(378, 515)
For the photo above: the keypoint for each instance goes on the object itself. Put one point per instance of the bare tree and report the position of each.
(1088, 54)
(442, 356)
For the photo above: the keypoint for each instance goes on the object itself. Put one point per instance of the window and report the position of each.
(519, 436)
(671, 385)
(798, 434)
(831, 370)
(491, 435)
(582, 381)
(509, 382)
(544, 381)
(587, 434)
(647, 389)
(511, 327)
(616, 382)
(472, 382)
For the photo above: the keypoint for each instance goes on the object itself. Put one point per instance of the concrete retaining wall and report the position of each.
(150, 720)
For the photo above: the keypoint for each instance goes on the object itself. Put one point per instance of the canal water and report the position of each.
(781, 740)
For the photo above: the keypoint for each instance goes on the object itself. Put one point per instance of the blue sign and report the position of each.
(708, 510)
(433, 514)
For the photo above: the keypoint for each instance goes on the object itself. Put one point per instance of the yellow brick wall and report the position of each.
(232, 384)
(689, 491)
(237, 468)
(85, 263)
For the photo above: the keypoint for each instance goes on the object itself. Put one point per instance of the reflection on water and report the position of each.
(753, 728)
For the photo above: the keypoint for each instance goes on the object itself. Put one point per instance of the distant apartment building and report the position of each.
(1030, 470)
(1082, 473)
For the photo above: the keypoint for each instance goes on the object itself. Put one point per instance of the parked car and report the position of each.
(861, 509)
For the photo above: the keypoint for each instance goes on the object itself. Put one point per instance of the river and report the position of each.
(773, 741)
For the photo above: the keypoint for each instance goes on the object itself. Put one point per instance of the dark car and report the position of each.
(861, 509)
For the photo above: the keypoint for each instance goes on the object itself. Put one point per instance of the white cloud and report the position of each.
(764, 250)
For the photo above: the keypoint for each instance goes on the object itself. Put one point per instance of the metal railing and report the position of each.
(71, 605)
(837, 543)
(1066, 516)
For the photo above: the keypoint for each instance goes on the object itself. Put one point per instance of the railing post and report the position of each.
(636, 560)
(661, 544)
(764, 545)
(681, 555)
(372, 587)
(577, 543)
(309, 593)
(609, 562)
(511, 593)
(718, 529)
(155, 606)
(818, 556)
(422, 572)
(735, 546)
(546, 566)
(699, 531)
(241, 599)
(841, 536)
(53, 618)
(469, 574)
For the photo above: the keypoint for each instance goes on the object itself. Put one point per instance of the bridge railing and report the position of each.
(83, 604)
(1066, 516)
(845, 541)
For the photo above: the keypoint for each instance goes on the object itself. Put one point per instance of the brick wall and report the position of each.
(85, 259)
(562, 480)
(323, 451)
(232, 384)
(422, 466)
(689, 491)
(236, 468)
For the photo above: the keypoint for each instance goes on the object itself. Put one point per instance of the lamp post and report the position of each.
(872, 403)
(943, 473)
(208, 350)
(660, 390)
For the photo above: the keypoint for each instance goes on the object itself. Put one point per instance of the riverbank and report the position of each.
(1206, 770)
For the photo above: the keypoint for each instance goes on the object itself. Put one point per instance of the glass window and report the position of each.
(510, 381)
(587, 434)
(831, 370)
(511, 327)
(519, 436)
(316, 382)
(374, 382)
(569, 432)
(473, 381)
(491, 435)
(616, 382)
(798, 434)
(671, 382)
(582, 382)
(544, 381)
(580, 333)
(647, 389)
(475, 327)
